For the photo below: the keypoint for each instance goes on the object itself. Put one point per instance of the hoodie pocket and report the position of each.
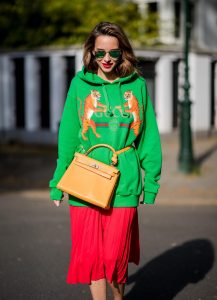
(130, 181)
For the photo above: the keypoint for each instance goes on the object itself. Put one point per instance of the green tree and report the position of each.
(25, 24)
(20, 23)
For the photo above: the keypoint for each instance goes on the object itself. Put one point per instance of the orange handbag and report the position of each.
(91, 180)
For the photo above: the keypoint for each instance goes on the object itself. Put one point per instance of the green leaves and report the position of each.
(25, 24)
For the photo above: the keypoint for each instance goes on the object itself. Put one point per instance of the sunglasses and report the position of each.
(115, 54)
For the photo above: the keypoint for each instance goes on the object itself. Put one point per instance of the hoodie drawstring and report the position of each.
(109, 110)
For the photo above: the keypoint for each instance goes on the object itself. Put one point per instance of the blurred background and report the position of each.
(175, 42)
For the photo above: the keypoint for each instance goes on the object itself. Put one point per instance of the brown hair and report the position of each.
(127, 61)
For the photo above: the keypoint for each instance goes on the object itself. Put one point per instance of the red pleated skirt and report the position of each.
(103, 243)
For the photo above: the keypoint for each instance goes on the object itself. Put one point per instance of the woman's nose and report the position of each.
(107, 57)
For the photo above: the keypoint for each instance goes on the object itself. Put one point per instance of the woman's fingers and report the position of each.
(57, 202)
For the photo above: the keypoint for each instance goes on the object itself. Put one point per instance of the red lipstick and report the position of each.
(107, 66)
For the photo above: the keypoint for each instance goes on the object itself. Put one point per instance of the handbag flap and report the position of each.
(96, 165)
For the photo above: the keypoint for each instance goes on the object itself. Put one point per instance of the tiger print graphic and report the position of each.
(133, 105)
(90, 106)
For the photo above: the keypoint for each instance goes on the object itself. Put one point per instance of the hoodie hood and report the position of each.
(94, 79)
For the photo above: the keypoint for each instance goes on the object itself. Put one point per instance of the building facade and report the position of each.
(33, 85)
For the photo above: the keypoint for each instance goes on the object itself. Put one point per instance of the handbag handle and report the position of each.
(114, 158)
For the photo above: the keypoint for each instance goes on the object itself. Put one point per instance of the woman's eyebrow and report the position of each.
(109, 50)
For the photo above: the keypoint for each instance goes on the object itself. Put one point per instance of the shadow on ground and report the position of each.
(201, 158)
(166, 275)
(26, 166)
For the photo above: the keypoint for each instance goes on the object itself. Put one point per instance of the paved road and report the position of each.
(178, 234)
(178, 246)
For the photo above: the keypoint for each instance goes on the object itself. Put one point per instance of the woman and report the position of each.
(108, 102)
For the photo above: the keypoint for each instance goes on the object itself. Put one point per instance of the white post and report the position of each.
(78, 60)
(32, 93)
(7, 94)
(215, 95)
(1, 96)
(57, 90)
(164, 96)
(200, 92)
(167, 21)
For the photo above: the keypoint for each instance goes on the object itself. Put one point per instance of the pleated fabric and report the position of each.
(103, 243)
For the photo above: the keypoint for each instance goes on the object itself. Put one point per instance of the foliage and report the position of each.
(150, 27)
(25, 24)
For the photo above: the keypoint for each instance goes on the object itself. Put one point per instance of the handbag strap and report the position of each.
(114, 158)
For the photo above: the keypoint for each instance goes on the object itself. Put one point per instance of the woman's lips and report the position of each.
(107, 66)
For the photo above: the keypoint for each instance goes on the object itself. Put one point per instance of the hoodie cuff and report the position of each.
(149, 198)
(56, 194)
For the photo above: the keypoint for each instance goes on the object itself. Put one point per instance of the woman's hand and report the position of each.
(57, 202)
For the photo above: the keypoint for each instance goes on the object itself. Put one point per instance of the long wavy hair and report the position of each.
(127, 62)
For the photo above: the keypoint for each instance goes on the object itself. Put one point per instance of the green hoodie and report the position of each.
(119, 114)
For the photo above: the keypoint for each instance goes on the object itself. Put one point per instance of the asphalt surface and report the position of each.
(178, 234)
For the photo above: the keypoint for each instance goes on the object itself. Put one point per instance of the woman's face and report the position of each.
(106, 61)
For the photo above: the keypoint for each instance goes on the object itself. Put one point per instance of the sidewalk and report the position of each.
(27, 169)
(200, 187)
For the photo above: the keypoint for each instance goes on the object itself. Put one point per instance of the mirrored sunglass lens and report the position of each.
(115, 53)
(100, 54)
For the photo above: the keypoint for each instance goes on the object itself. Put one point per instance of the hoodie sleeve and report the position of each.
(149, 151)
(68, 139)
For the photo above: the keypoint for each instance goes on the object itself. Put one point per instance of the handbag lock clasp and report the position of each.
(95, 166)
